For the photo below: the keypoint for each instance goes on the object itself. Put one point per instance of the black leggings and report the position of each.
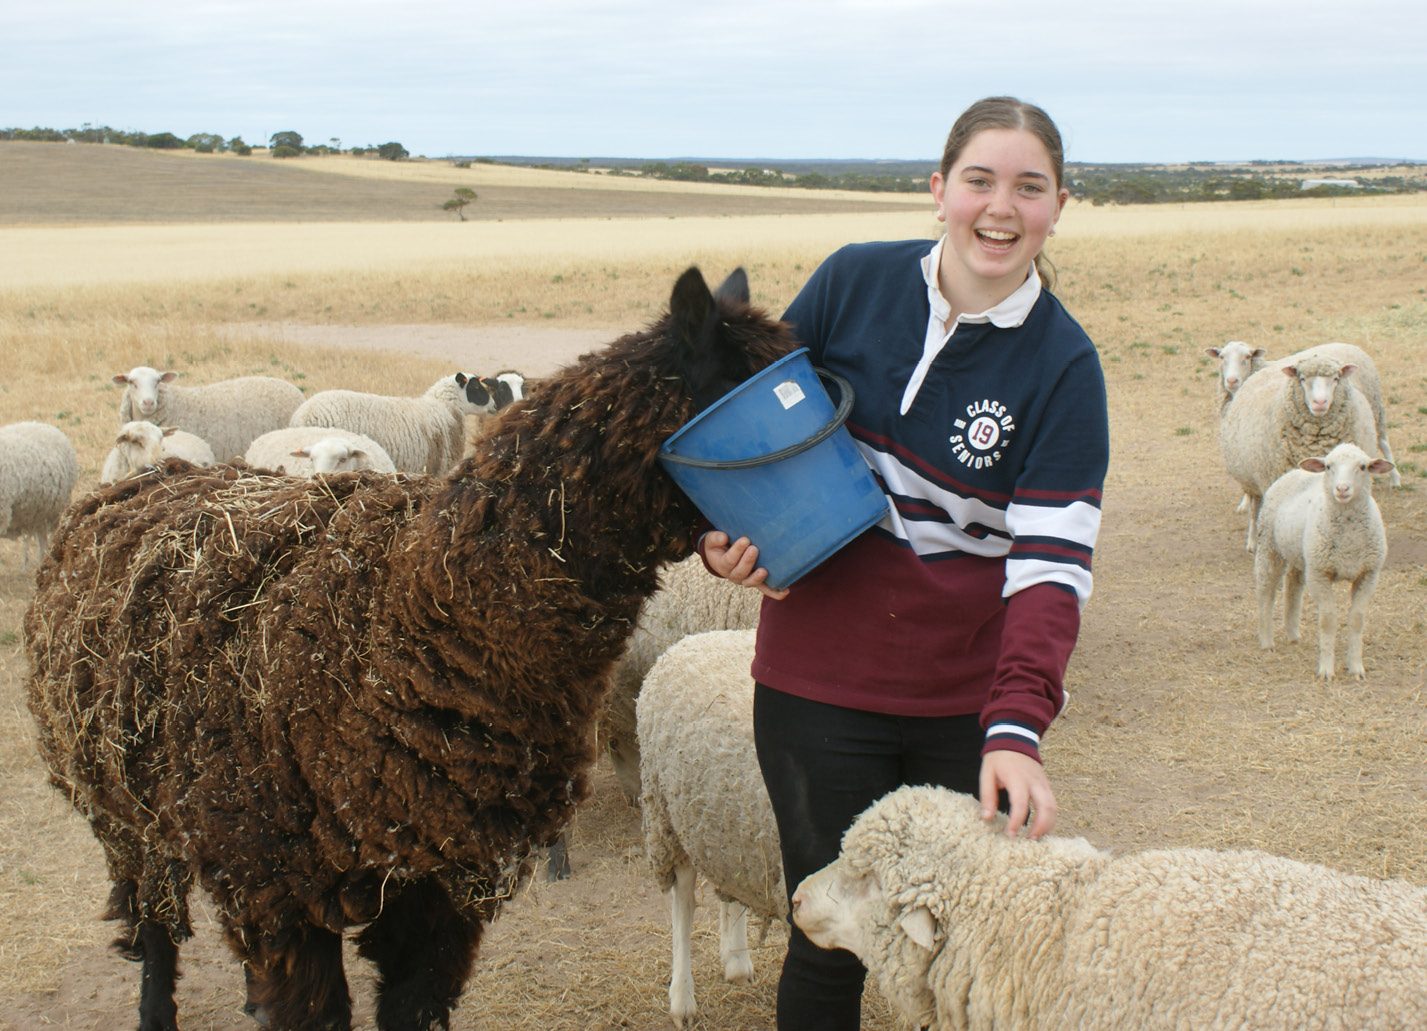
(823, 766)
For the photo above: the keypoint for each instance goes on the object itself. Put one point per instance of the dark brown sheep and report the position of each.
(365, 699)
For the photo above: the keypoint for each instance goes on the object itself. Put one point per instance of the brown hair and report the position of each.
(1009, 113)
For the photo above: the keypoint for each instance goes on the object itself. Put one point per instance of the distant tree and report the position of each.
(204, 142)
(392, 152)
(237, 146)
(286, 139)
(284, 151)
(163, 141)
(463, 197)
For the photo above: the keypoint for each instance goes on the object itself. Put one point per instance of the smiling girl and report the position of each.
(932, 649)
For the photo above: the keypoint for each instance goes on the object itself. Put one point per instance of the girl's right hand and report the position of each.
(737, 562)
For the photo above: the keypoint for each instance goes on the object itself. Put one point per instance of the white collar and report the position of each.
(1010, 312)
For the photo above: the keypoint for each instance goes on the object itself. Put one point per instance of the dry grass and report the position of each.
(74, 185)
(1179, 730)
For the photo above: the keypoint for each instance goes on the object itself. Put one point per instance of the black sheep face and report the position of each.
(711, 363)
(477, 392)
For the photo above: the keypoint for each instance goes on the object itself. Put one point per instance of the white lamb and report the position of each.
(964, 927)
(228, 414)
(1320, 523)
(1238, 361)
(307, 450)
(423, 434)
(38, 471)
(141, 445)
(1275, 421)
(705, 808)
(690, 600)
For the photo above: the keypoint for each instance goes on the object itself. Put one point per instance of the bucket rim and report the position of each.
(839, 416)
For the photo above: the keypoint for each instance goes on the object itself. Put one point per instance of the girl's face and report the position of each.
(999, 202)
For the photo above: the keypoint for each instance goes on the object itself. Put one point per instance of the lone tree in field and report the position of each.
(286, 144)
(464, 196)
(393, 152)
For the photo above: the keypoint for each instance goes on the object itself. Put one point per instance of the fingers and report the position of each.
(1027, 789)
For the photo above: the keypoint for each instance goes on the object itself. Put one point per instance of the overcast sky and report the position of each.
(1127, 80)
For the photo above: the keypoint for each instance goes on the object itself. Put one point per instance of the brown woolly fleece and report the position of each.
(303, 693)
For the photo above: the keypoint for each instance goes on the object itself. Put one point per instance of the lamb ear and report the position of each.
(301, 452)
(1313, 465)
(920, 927)
(1380, 465)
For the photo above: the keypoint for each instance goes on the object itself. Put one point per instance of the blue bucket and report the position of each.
(772, 461)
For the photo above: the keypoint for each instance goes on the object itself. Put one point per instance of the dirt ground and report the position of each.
(1179, 732)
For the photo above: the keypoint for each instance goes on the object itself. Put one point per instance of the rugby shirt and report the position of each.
(966, 597)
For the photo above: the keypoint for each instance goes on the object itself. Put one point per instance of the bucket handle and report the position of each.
(844, 409)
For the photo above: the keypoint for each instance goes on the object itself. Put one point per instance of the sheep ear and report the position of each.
(120, 379)
(460, 379)
(356, 452)
(301, 452)
(920, 926)
(1290, 371)
(1258, 352)
(734, 288)
(1213, 352)
(1347, 370)
(1313, 465)
(169, 430)
(1380, 465)
(710, 364)
(168, 376)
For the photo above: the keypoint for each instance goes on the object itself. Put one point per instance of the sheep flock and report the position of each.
(385, 746)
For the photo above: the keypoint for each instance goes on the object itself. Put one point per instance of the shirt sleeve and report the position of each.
(1054, 521)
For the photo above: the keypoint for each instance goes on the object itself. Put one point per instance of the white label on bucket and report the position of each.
(789, 393)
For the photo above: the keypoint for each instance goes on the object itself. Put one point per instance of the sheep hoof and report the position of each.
(738, 970)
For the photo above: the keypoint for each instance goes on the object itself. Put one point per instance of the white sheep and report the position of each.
(1320, 524)
(1275, 421)
(228, 414)
(422, 434)
(690, 600)
(306, 450)
(705, 808)
(141, 445)
(38, 471)
(964, 927)
(1238, 361)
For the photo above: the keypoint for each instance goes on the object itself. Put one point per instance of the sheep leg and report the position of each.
(1293, 605)
(1362, 590)
(1255, 503)
(1395, 478)
(1268, 572)
(733, 942)
(157, 1009)
(423, 948)
(295, 979)
(557, 858)
(682, 1007)
(162, 890)
(1321, 587)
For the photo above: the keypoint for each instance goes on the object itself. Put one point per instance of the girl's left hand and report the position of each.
(1024, 781)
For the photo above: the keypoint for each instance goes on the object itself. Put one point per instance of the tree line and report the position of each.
(1097, 183)
(285, 144)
